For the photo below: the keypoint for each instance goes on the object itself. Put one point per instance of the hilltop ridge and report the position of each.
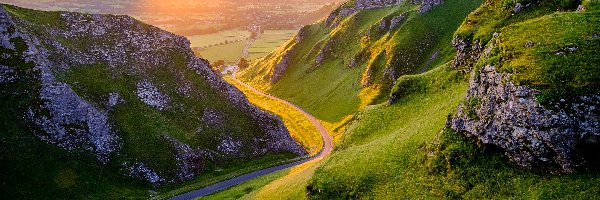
(131, 95)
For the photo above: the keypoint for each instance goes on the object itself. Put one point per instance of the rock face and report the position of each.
(64, 118)
(150, 95)
(501, 114)
(189, 160)
(324, 52)
(127, 48)
(142, 171)
(395, 21)
(467, 53)
(334, 18)
(427, 5)
(518, 8)
(281, 66)
(6, 74)
(285, 60)
(390, 23)
(73, 123)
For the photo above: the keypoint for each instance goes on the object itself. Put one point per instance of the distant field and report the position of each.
(217, 38)
(230, 53)
(269, 41)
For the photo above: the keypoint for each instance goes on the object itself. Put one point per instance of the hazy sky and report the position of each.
(147, 6)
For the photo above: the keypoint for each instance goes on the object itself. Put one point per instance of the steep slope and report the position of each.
(351, 59)
(530, 115)
(90, 100)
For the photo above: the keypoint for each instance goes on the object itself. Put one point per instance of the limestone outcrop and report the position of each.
(79, 122)
(502, 115)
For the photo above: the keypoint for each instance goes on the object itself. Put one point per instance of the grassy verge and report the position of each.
(285, 184)
(248, 187)
(219, 175)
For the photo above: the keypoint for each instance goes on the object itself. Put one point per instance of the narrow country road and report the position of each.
(326, 150)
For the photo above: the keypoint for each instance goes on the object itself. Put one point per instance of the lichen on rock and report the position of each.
(428, 5)
(510, 117)
(149, 94)
(141, 171)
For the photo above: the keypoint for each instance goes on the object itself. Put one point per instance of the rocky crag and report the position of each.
(146, 72)
(508, 116)
(559, 134)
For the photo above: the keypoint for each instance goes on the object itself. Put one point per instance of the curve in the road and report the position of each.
(326, 150)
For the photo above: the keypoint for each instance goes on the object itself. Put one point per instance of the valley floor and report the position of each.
(304, 128)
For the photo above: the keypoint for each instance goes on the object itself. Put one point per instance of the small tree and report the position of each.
(243, 64)
(217, 65)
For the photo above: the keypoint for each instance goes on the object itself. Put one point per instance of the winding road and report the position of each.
(326, 150)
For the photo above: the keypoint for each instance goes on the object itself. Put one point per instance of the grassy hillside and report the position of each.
(408, 156)
(30, 167)
(411, 154)
(334, 89)
(404, 150)
(33, 168)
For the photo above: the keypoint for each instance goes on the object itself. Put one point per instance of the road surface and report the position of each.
(326, 150)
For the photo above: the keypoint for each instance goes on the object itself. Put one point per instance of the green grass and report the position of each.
(493, 15)
(333, 91)
(285, 184)
(403, 149)
(539, 67)
(248, 187)
(222, 174)
(458, 168)
(390, 139)
(544, 64)
(408, 156)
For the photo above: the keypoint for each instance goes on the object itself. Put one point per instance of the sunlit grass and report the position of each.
(301, 129)
(286, 184)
